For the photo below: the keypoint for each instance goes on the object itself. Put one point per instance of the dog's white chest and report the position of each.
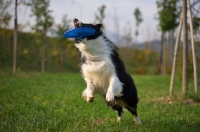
(99, 73)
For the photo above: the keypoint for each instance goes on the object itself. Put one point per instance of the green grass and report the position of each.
(52, 102)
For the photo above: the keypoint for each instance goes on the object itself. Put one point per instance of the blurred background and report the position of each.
(145, 32)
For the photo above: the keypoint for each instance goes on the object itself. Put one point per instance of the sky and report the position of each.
(120, 10)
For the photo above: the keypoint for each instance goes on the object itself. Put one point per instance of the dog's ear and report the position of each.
(99, 25)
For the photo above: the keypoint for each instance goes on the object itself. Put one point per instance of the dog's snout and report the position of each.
(76, 22)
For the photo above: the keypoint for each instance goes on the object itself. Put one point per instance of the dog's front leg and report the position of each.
(88, 92)
(114, 89)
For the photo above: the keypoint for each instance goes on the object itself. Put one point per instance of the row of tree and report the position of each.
(62, 56)
(168, 16)
(43, 24)
(169, 12)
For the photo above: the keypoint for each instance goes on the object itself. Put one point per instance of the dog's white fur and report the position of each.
(137, 120)
(99, 71)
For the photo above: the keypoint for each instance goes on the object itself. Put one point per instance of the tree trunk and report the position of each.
(193, 51)
(171, 46)
(161, 53)
(15, 40)
(185, 50)
(164, 60)
(175, 56)
(43, 53)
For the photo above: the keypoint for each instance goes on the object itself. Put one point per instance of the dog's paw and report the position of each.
(89, 99)
(109, 97)
(119, 118)
(137, 120)
(87, 95)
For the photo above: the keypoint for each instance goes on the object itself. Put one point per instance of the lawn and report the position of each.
(52, 102)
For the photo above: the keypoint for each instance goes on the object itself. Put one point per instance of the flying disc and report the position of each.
(79, 32)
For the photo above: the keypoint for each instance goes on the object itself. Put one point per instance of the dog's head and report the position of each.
(97, 27)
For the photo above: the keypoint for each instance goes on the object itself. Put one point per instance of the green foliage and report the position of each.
(42, 14)
(190, 63)
(167, 14)
(6, 44)
(44, 21)
(60, 55)
(52, 102)
(139, 61)
(63, 27)
(101, 16)
(5, 15)
(138, 18)
(196, 24)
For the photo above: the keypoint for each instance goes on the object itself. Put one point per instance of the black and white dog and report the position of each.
(104, 72)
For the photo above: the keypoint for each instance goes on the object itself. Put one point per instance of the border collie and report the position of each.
(104, 72)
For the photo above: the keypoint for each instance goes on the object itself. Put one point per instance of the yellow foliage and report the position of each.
(25, 51)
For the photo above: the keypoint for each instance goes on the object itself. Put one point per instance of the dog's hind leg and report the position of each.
(133, 110)
(120, 112)
(137, 119)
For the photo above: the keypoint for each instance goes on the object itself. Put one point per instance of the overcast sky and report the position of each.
(85, 9)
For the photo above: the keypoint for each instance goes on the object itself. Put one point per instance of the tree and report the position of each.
(193, 49)
(101, 16)
(183, 21)
(15, 39)
(185, 49)
(167, 16)
(62, 27)
(5, 16)
(116, 24)
(44, 21)
(138, 18)
(175, 56)
(59, 31)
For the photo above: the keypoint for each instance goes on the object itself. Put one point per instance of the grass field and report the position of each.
(52, 102)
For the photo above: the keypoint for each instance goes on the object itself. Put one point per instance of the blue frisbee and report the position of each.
(79, 32)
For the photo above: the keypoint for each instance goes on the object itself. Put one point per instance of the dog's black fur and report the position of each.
(129, 98)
